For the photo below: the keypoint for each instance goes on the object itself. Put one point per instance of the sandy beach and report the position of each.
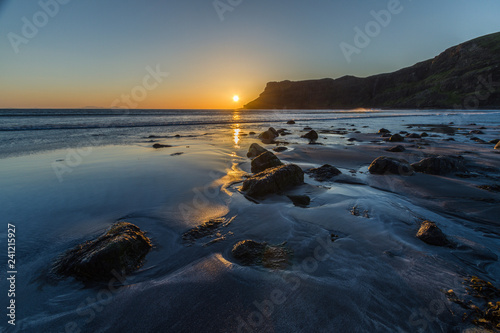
(356, 224)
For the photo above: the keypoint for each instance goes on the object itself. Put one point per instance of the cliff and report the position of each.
(466, 76)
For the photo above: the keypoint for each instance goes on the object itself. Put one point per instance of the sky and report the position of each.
(200, 53)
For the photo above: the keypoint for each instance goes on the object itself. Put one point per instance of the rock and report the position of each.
(255, 150)
(497, 146)
(413, 136)
(424, 135)
(439, 165)
(300, 200)
(396, 138)
(290, 122)
(494, 141)
(388, 165)
(386, 135)
(158, 146)
(311, 135)
(397, 149)
(251, 133)
(280, 149)
(476, 132)
(250, 253)
(307, 128)
(121, 249)
(204, 230)
(265, 161)
(324, 172)
(383, 131)
(269, 135)
(431, 234)
(403, 132)
(443, 129)
(273, 180)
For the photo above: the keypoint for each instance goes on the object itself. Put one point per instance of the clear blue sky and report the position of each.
(91, 53)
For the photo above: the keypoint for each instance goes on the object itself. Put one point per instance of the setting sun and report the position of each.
(236, 98)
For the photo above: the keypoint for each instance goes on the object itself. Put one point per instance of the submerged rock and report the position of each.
(273, 180)
(121, 250)
(431, 234)
(251, 253)
(383, 131)
(413, 136)
(300, 200)
(311, 135)
(269, 135)
(440, 165)
(209, 228)
(388, 165)
(324, 172)
(396, 138)
(280, 149)
(290, 122)
(397, 149)
(255, 150)
(158, 146)
(265, 161)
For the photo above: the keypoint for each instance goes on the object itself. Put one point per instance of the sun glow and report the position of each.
(236, 98)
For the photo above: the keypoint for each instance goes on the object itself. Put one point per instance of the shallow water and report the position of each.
(376, 277)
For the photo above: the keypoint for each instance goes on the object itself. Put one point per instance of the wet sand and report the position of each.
(375, 276)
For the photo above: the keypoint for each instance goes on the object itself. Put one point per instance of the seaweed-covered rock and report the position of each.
(300, 200)
(396, 138)
(397, 149)
(431, 234)
(440, 165)
(324, 172)
(250, 253)
(268, 136)
(312, 135)
(388, 165)
(121, 250)
(255, 150)
(273, 180)
(265, 161)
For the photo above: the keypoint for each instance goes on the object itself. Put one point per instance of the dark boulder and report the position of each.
(424, 135)
(120, 250)
(311, 135)
(497, 146)
(383, 131)
(251, 253)
(413, 136)
(431, 234)
(476, 132)
(324, 172)
(494, 141)
(388, 165)
(397, 149)
(206, 229)
(255, 150)
(265, 161)
(396, 138)
(269, 135)
(290, 122)
(273, 180)
(440, 165)
(300, 200)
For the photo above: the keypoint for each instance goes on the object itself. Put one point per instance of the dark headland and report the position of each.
(465, 76)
